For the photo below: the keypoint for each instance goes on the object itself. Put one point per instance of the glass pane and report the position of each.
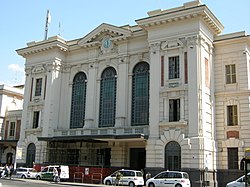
(78, 101)
(140, 94)
(108, 98)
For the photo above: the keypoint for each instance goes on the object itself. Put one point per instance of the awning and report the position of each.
(95, 138)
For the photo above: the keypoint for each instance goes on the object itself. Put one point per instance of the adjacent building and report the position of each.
(11, 101)
(168, 93)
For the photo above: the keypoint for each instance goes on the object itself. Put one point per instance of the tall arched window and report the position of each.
(140, 95)
(108, 98)
(77, 115)
(31, 155)
(173, 156)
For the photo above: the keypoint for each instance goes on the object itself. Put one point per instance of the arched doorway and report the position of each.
(173, 156)
(31, 155)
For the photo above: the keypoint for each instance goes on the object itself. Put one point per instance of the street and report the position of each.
(40, 183)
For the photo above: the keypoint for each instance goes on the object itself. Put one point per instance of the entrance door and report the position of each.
(31, 155)
(137, 158)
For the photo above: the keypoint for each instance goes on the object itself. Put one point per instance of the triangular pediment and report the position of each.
(94, 37)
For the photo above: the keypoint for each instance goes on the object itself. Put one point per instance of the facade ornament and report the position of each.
(28, 71)
(38, 69)
(154, 47)
(172, 44)
(193, 40)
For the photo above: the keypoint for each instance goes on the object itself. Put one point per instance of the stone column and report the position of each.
(122, 92)
(154, 89)
(194, 78)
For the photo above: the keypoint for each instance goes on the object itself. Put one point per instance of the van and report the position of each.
(125, 177)
(47, 173)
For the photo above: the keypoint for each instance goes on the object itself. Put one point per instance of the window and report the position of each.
(174, 110)
(230, 74)
(38, 89)
(232, 115)
(232, 156)
(108, 98)
(78, 101)
(35, 119)
(174, 67)
(12, 128)
(173, 156)
(140, 95)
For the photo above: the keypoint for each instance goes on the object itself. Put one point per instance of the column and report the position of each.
(154, 100)
(91, 96)
(193, 86)
(122, 92)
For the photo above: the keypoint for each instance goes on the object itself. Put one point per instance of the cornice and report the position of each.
(200, 11)
(55, 42)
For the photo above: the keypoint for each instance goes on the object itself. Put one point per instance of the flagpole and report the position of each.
(48, 20)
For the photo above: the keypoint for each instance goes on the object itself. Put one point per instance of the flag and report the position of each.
(48, 17)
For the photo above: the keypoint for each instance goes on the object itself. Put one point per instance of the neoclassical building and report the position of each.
(11, 105)
(168, 93)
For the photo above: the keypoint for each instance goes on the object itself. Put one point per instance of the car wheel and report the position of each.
(108, 182)
(177, 185)
(23, 177)
(38, 178)
(131, 184)
(151, 185)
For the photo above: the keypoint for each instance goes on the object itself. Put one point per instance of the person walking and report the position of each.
(55, 175)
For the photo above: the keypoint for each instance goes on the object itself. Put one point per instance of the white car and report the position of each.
(129, 178)
(240, 182)
(24, 173)
(169, 179)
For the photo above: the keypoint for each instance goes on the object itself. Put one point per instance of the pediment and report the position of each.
(95, 37)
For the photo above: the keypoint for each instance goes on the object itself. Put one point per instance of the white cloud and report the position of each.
(15, 67)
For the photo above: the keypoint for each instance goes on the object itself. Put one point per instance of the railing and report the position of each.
(78, 176)
(103, 131)
(96, 177)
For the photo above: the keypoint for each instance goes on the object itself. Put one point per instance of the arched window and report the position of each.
(140, 95)
(173, 156)
(77, 115)
(31, 155)
(107, 98)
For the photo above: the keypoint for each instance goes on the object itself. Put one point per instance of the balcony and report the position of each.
(103, 131)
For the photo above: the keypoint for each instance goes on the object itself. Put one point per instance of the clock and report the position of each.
(106, 43)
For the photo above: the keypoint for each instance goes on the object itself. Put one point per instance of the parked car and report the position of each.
(47, 173)
(127, 177)
(169, 179)
(240, 182)
(24, 173)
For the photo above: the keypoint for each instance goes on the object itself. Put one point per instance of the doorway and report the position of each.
(137, 158)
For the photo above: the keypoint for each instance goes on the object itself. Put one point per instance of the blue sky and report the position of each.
(23, 21)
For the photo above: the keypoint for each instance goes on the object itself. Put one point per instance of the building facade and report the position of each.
(11, 101)
(167, 93)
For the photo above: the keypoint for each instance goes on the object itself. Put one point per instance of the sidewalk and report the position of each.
(61, 183)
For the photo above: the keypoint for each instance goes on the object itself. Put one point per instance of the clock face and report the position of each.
(106, 43)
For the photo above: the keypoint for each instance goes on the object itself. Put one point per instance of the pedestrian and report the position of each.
(118, 178)
(148, 176)
(11, 170)
(55, 175)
